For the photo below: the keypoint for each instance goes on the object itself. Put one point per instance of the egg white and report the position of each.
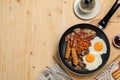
(95, 64)
(97, 39)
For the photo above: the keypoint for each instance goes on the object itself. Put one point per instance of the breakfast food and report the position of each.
(74, 56)
(84, 49)
(92, 60)
(68, 50)
(116, 74)
(98, 46)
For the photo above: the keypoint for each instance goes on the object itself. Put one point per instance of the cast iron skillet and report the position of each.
(98, 29)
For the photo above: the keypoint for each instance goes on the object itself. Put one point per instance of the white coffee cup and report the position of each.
(87, 7)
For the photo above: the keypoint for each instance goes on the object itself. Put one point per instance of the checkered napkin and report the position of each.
(54, 73)
(105, 74)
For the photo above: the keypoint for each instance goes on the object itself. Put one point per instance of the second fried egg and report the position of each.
(92, 60)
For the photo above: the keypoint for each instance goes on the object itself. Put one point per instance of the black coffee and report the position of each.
(87, 5)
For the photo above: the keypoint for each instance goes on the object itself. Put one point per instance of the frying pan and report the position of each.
(98, 29)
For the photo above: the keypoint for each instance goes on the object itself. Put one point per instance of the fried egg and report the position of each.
(92, 60)
(98, 45)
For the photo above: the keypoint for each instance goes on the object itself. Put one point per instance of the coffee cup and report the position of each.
(87, 6)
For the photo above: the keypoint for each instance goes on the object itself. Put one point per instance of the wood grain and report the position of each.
(30, 31)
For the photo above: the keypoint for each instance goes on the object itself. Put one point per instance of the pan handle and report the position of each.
(102, 24)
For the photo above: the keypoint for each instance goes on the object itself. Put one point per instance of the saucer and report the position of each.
(83, 15)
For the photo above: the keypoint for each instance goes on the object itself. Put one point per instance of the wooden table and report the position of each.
(30, 31)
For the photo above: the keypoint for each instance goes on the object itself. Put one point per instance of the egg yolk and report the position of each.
(90, 58)
(98, 46)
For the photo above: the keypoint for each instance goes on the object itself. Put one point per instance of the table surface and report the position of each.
(30, 31)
